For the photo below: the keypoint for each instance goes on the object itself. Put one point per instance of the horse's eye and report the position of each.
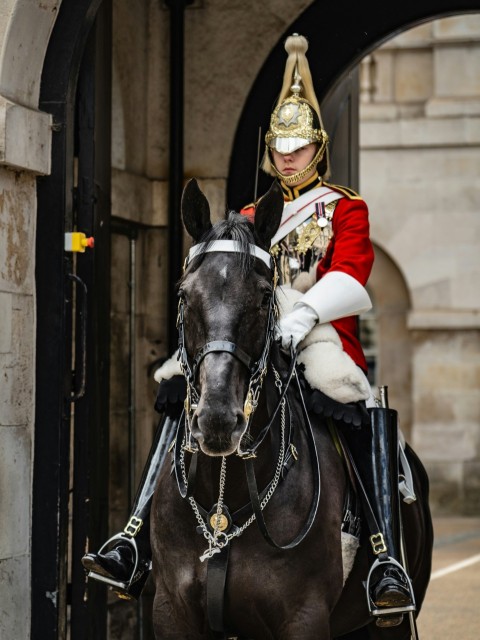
(267, 296)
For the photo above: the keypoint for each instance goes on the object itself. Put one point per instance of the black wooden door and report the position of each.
(91, 335)
(340, 118)
(70, 499)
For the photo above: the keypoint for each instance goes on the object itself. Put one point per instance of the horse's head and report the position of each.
(225, 309)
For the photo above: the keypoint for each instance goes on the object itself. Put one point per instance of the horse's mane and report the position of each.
(235, 227)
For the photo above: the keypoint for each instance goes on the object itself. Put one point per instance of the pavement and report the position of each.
(451, 610)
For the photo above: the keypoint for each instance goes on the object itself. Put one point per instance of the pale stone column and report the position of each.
(25, 144)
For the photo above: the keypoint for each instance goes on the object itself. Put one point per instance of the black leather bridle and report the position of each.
(256, 368)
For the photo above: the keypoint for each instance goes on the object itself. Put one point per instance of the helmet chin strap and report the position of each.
(300, 176)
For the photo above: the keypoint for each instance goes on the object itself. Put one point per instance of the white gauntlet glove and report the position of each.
(336, 295)
(293, 328)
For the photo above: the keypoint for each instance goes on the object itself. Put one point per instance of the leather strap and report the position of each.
(216, 579)
(229, 246)
(218, 346)
(251, 451)
(368, 511)
(255, 499)
(186, 489)
(243, 513)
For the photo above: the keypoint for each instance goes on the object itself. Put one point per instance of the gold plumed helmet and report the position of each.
(296, 120)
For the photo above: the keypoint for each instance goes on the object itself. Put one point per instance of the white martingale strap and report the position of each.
(229, 246)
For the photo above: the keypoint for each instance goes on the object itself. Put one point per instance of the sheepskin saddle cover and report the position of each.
(327, 367)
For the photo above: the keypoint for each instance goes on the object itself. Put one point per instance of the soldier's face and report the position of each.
(289, 163)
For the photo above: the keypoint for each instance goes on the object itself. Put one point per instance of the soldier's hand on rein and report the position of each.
(293, 328)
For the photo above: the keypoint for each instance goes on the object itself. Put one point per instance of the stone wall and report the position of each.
(420, 159)
(17, 372)
(24, 153)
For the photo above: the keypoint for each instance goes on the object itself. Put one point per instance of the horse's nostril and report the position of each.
(194, 427)
(240, 423)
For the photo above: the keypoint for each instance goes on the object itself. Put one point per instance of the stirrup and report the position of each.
(387, 621)
(389, 611)
(124, 589)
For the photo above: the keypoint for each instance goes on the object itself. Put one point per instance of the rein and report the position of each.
(253, 490)
(218, 526)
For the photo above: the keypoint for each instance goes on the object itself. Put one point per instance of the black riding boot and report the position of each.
(374, 449)
(124, 561)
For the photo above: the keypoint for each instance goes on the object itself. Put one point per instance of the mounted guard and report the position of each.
(324, 248)
(324, 255)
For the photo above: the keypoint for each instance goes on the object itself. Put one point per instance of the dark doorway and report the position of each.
(72, 361)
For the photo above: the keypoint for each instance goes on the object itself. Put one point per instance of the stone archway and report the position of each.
(423, 192)
(23, 51)
(25, 134)
(340, 34)
(445, 429)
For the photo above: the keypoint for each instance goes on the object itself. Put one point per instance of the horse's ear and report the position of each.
(195, 210)
(268, 214)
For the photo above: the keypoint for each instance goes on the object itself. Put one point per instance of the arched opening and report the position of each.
(353, 31)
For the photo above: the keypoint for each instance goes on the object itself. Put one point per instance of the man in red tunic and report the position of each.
(325, 252)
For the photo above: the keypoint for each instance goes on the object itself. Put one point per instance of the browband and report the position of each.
(231, 246)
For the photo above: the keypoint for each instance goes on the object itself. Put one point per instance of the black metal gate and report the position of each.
(72, 366)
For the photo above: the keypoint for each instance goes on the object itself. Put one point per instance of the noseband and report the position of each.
(257, 369)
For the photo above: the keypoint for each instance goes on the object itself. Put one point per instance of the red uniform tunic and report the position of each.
(349, 251)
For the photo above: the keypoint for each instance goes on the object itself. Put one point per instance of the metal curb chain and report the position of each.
(218, 540)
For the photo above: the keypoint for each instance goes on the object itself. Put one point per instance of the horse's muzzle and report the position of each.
(217, 433)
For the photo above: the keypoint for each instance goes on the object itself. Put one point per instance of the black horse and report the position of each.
(215, 575)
